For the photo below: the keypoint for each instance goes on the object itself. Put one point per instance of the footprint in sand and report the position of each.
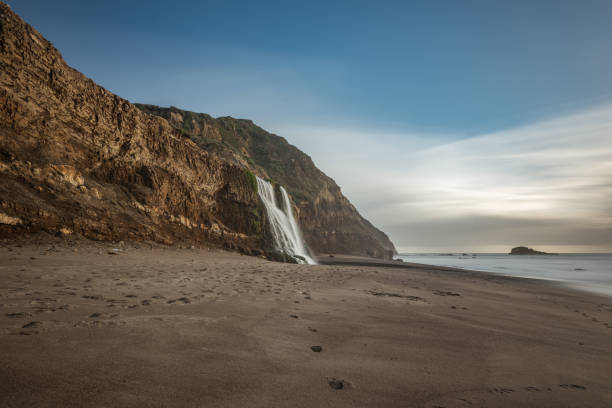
(31, 328)
(18, 315)
(501, 391)
(445, 293)
(572, 386)
(92, 297)
(32, 325)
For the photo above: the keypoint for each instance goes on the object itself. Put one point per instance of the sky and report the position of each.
(451, 125)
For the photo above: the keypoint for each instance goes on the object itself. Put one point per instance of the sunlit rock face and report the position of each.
(329, 222)
(75, 157)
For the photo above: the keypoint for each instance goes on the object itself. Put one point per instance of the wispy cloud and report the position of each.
(547, 184)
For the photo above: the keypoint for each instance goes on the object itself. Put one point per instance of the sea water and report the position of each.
(592, 272)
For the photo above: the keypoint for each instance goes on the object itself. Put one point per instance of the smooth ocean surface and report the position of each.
(592, 272)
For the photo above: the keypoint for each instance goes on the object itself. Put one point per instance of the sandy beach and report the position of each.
(148, 326)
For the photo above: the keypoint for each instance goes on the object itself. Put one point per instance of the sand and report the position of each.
(86, 326)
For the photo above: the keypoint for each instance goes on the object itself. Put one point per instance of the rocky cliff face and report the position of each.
(329, 221)
(74, 158)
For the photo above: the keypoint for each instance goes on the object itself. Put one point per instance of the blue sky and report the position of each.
(458, 67)
(343, 80)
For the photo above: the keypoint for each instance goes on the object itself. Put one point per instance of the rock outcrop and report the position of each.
(330, 223)
(74, 156)
(77, 159)
(522, 250)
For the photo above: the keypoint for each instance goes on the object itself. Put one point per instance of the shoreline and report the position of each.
(159, 326)
(345, 260)
(348, 260)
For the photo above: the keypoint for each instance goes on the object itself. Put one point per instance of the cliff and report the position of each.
(74, 158)
(77, 159)
(329, 221)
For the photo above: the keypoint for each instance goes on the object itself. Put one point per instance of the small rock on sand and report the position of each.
(316, 349)
(336, 384)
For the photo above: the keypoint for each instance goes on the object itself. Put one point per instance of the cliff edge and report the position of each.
(329, 221)
(77, 159)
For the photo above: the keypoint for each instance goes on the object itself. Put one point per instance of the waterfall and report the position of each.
(286, 232)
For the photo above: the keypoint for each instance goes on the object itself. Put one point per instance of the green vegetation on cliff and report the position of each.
(329, 221)
(77, 159)
(252, 179)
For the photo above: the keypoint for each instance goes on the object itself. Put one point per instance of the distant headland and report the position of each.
(523, 250)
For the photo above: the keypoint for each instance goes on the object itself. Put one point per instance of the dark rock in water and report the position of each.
(294, 316)
(316, 349)
(522, 250)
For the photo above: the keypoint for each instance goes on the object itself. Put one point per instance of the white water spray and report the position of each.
(287, 235)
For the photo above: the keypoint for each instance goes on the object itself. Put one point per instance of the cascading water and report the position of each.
(287, 235)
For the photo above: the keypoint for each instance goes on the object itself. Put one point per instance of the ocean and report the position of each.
(590, 272)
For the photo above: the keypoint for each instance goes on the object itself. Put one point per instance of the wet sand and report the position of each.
(163, 327)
